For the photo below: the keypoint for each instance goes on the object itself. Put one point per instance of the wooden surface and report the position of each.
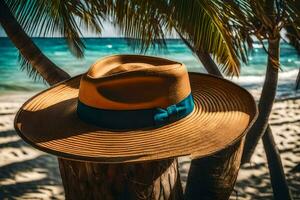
(153, 180)
(210, 178)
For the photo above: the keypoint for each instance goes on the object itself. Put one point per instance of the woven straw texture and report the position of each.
(223, 113)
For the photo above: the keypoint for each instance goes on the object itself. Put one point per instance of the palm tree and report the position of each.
(206, 35)
(205, 31)
(29, 51)
(56, 15)
(196, 21)
(243, 19)
(47, 17)
(246, 20)
(235, 23)
(265, 20)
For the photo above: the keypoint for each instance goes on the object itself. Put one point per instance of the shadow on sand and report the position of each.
(26, 173)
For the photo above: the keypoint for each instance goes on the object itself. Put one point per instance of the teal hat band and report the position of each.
(134, 119)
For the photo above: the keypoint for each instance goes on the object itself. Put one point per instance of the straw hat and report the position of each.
(130, 108)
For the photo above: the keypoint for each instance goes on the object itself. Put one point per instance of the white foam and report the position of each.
(286, 76)
(257, 46)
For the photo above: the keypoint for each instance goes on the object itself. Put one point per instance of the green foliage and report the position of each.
(55, 17)
(197, 21)
(221, 28)
(26, 66)
(142, 22)
(44, 17)
(266, 19)
(200, 23)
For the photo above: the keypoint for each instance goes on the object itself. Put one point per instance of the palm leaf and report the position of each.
(293, 27)
(197, 21)
(26, 66)
(46, 17)
(141, 22)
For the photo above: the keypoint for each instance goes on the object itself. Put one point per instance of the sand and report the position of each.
(26, 173)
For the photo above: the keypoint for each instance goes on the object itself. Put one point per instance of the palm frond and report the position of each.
(26, 66)
(292, 9)
(292, 35)
(141, 22)
(45, 17)
(293, 19)
(197, 21)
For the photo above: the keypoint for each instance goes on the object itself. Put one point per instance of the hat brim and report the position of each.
(222, 114)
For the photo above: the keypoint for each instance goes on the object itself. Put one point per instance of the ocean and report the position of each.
(13, 80)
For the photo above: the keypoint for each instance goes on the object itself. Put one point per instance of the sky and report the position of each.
(108, 31)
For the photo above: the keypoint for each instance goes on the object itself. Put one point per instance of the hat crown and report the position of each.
(130, 82)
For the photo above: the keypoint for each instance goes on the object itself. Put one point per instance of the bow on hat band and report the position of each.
(134, 119)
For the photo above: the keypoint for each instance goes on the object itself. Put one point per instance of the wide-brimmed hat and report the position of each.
(130, 108)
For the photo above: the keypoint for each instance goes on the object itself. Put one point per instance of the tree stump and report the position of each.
(213, 177)
(153, 180)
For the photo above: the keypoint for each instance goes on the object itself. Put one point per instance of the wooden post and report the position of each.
(213, 177)
(154, 180)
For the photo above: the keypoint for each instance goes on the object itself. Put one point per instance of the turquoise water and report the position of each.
(12, 79)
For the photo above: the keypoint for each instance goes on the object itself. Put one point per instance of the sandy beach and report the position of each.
(26, 173)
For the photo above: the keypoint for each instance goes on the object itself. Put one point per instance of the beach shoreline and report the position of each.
(28, 173)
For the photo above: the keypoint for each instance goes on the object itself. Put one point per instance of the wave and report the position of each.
(286, 76)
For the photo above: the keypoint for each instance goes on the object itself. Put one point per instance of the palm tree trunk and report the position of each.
(277, 175)
(213, 177)
(209, 63)
(278, 181)
(266, 100)
(204, 57)
(45, 67)
(157, 180)
(298, 80)
(261, 127)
